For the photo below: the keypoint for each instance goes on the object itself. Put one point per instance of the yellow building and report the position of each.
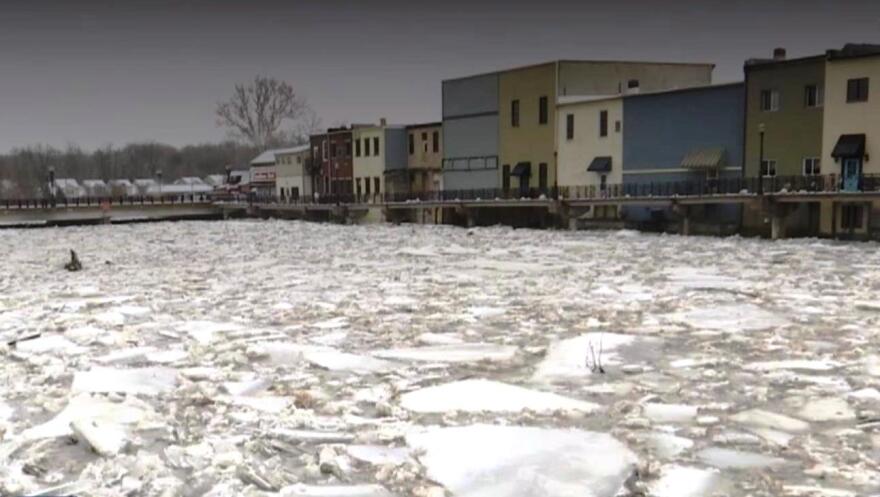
(851, 135)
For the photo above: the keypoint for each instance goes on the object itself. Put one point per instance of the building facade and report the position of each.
(379, 153)
(851, 134)
(262, 175)
(424, 157)
(590, 147)
(293, 179)
(470, 132)
(331, 156)
(689, 135)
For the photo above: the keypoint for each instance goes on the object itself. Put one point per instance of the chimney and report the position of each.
(382, 122)
(778, 54)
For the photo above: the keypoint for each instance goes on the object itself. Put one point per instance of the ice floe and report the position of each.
(512, 461)
(466, 352)
(138, 381)
(486, 395)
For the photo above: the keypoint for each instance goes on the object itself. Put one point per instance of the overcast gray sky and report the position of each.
(94, 72)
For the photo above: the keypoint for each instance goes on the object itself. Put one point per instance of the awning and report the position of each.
(522, 169)
(600, 165)
(705, 158)
(849, 146)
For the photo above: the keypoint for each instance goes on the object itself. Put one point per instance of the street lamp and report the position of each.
(52, 183)
(159, 176)
(761, 129)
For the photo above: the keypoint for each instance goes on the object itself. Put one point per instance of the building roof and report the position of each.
(751, 64)
(582, 99)
(683, 89)
(579, 61)
(292, 150)
(425, 125)
(853, 51)
(267, 157)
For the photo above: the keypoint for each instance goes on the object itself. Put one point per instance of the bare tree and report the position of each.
(256, 111)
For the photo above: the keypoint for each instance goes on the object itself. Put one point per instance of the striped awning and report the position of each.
(705, 158)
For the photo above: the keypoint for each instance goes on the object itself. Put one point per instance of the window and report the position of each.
(357, 147)
(812, 166)
(425, 142)
(814, 96)
(357, 183)
(366, 147)
(435, 137)
(377, 185)
(542, 176)
(569, 127)
(299, 159)
(412, 144)
(324, 146)
(348, 148)
(294, 192)
(603, 123)
(505, 176)
(514, 113)
(768, 168)
(857, 90)
(376, 146)
(617, 126)
(769, 100)
(542, 110)
(367, 186)
(851, 216)
(603, 182)
(632, 84)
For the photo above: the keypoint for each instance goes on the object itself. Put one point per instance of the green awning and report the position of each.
(705, 158)
(849, 146)
(600, 165)
(522, 169)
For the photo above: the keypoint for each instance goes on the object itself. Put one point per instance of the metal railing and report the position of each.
(777, 185)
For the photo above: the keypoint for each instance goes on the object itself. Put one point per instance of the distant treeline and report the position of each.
(24, 172)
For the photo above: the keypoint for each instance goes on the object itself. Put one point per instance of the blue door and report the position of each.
(852, 169)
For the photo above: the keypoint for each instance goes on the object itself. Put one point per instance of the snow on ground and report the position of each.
(283, 358)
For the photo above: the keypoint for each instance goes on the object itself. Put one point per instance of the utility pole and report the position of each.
(761, 163)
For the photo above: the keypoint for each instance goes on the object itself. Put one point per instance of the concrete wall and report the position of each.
(530, 141)
(470, 133)
(610, 78)
(851, 118)
(792, 133)
(575, 155)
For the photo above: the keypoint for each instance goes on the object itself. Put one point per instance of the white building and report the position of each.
(69, 188)
(122, 187)
(292, 178)
(215, 180)
(96, 187)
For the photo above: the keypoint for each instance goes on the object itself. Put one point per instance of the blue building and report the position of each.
(693, 136)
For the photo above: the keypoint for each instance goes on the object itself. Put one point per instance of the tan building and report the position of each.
(424, 157)
(292, 177)
(590, 146)
(527, 107)
(851, 134)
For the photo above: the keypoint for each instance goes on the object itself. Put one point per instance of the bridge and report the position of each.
(101, 210)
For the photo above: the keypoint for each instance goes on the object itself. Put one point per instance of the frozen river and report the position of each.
(284, 358)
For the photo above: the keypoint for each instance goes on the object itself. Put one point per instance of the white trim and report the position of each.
(675, 170)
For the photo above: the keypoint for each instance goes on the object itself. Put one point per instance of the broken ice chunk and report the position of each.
(670, 413)
(144, 381)
(379, 454)
(827, 409)
(683, 481)
(735, 459)
(513, 461)
(490, 396)
(301, 490)
(84, 408)
(106, 439)
(465, 352)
